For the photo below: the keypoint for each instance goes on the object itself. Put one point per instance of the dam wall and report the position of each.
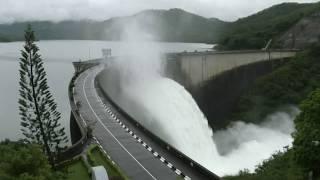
(217, 80)
(192, 69)
(218, 96)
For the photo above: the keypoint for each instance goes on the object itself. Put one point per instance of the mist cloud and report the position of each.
(24, 10)
(244, 146)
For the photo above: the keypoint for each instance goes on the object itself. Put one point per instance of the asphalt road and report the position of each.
(128, 146)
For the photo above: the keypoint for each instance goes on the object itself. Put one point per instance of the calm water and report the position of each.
(57, 56)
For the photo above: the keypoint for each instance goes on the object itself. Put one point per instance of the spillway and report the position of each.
(136, 84)
(162, 106)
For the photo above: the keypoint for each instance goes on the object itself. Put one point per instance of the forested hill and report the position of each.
(177, 25)
(256, 30)
(163, 25)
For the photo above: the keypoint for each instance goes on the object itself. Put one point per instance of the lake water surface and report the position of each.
(58, 57)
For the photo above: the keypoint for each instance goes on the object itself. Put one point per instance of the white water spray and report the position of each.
(160, 104)
(135, 83)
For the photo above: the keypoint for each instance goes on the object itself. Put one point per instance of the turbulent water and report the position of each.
(166, 108)
(135, 82)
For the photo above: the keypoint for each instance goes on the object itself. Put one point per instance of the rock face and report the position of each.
(304, 33)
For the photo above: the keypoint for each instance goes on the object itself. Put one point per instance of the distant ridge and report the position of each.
(165, 25)
(177, 25)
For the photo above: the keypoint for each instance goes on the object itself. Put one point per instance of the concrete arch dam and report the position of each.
(192, 69)
(217, 79)
(139, 152)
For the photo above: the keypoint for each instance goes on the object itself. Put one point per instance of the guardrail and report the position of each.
(230, 52)
(78, 146)
(160, 141)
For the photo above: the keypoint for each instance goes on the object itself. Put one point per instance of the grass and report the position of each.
(77, 170)
(97, 158)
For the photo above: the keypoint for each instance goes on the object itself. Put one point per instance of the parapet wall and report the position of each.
(192, 69)
(78, 128)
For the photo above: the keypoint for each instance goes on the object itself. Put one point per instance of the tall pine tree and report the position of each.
(38, 110)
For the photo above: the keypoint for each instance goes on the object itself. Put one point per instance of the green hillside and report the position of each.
(49, 30)
(175, 25)
(253, 32)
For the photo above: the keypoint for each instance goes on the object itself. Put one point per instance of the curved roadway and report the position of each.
(132, 150)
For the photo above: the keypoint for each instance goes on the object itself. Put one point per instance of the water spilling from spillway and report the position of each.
(136, 84)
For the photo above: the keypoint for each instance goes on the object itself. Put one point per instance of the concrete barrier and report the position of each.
(77, 123)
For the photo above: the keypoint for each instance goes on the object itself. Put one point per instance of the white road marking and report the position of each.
(178, 171)
(83, 87)
(162, 159)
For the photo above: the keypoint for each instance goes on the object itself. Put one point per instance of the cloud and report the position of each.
(57, 10)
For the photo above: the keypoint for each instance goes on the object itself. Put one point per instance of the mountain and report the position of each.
(255, 31)
(177, 25)
(302, 34)
(49, 30)
(163, 25)
(170, 25)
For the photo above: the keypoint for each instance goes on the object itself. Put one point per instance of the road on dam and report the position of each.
(128, 146)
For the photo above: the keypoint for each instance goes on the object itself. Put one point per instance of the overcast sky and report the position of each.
(57, 10)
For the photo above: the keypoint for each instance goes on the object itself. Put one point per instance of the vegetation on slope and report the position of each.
(297, 82)
(46, 30)
(306, 145)
(287, 85)
(255, 31)
(21, 161)
(280, 166)
(76, 169)
(179, 25)
(97, 158)
(302, 160)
